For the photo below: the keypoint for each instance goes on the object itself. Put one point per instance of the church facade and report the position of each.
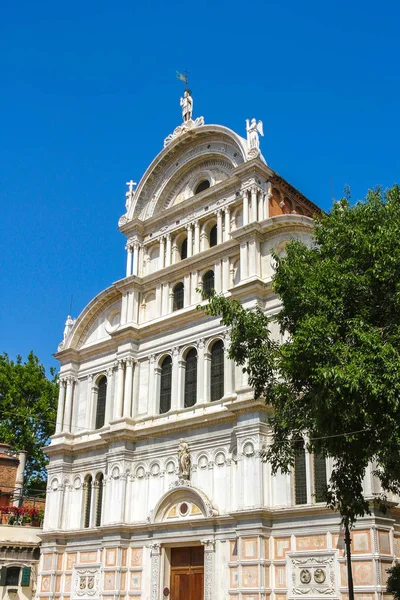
(156, 489)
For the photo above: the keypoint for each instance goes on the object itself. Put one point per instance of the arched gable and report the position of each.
(200, 505)
(209, 149)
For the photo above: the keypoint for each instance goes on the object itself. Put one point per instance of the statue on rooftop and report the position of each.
(187, 106)
(253, 130)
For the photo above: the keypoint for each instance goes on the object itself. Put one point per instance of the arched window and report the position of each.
(319, 477)
(101, 402)
(300, 477)
(203, 185)
(99, 498)
(88, 500)
(217, 371)
(191, 378)
(208, 284)
(178, 296)
(213, 236)
(184, 249)
(165, 385)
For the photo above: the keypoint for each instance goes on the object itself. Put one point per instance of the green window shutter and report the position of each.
(26, 577)
(3, 574)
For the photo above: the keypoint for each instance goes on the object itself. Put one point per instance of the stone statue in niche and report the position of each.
(187, 106)
(184, 460)
(253, 130)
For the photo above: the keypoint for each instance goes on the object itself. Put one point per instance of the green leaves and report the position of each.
(28, 404)
(338, 376)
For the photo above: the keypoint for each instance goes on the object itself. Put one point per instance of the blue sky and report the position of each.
(88, 93)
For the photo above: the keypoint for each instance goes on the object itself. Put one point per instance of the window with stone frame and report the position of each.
(178, 293)
(200, 187)
(213, 236)
(191, 378)
(184, 249)
(300, 474)
(88, 500)
(99, 498)
(165, 385)
(101, 402)
(217, 371)
(319, 477)
(208, 284)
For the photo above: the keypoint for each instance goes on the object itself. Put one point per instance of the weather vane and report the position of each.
(183, 77)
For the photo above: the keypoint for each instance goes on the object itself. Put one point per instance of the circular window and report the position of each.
(183, 508)
(203, 185)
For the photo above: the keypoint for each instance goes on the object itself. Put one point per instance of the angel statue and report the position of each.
(184, 460)
(187, 106)
(253, 140)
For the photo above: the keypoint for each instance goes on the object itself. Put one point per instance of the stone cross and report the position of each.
(131, 183)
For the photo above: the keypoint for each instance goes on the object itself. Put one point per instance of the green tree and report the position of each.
(393, 582)
(337, 377)
(28, 405)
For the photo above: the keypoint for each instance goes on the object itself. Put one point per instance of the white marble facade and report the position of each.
(142, 369)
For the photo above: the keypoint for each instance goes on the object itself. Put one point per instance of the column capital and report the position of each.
(155, 549)
(70, 379)
(62, 381)
(90, 377)
(200, 344)
(130, 361)
(175, 351)
(152, 359)
(209, 545)
(121, 363)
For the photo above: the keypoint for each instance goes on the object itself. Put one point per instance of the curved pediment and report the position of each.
(97, 321)
(183, 502)
(211, 151)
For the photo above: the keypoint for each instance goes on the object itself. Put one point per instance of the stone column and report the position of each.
(175, 252)
(164, 297)
(155, 553)
(129, 259)
(218, 277)
(267, 198)
(207, 376)
(261, 206)
(209, 550)
(189, 239)
(228, 367)
(90, 408)
(158, 301)
(200, 371)
(68, 405)
(254, 203)
(60, 406)
(187, 290)
(245, 207)
(227, 223)
(225, 274)
(162, 252)
(175, 378)
(109, 411)
(196, 237)
(170, 299)
(151, 399)
(252, 257)
(128, 387)
(135, 270)
(219, 226)
(243, 261)
(168, 252)
(120, 390)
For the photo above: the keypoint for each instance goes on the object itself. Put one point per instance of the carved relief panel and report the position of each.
(312, 575)
(86, 582)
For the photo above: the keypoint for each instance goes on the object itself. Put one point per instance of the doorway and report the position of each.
(187, 573)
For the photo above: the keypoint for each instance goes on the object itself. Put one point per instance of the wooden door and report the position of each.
(187, 573)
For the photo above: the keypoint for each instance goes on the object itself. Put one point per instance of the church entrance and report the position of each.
(187, 573)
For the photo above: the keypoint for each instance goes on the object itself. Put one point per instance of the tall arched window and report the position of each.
(166, 385)
(184, 248)
(203, 185)
(208, 284)
(217, 371)
(99, 498)
(319, 477)
(178, 296)
(88, 500)
(300, 477)
(191, 378)
(213, 236)
(101, 402)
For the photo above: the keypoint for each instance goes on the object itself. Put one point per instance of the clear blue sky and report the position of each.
(88, 93)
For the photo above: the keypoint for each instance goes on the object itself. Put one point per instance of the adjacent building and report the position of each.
(156, 489)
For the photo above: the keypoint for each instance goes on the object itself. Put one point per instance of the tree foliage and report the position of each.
(393, 582)
(28, 405)
(337, 377)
